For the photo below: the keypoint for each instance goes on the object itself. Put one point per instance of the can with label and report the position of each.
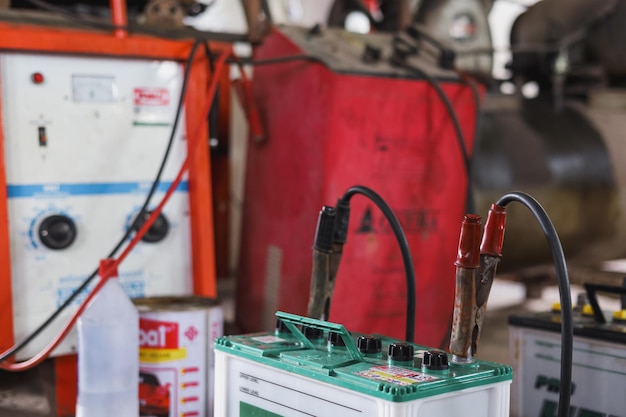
(176, 362)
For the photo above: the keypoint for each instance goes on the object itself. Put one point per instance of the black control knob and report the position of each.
(400, 352)
(312, 333)
(369, 345)
(157, 231)
(335, 339)
(57, 232)
(435, 360)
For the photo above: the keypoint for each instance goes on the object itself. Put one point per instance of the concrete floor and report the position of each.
(23, 395)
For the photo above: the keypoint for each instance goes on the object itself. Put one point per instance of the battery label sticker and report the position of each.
(268, 339)
(396, 375)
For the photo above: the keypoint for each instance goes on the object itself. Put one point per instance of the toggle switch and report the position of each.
(43, 136)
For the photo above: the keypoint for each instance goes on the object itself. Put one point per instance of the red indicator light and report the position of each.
(37, 78)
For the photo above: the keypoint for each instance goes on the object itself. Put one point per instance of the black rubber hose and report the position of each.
(277, 60)
(449, 108)
(471, 83)
(567, 326)
(404, 248)
(19, 346)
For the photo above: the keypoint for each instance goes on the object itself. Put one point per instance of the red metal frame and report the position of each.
(6, 302)
(65, 381)
(18, 37)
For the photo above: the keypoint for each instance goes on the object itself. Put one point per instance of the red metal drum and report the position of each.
(333, 125)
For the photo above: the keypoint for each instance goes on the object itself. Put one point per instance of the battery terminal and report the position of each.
(587, 310)
(619, 316)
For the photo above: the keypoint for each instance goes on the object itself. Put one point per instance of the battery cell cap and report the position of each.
(556, 307)
(312, 333)
(587, 310)
(335, 339)
(401, 352)
(369, 345)
(435, 360)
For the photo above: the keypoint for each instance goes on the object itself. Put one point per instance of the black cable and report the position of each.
(268, 11)
(449, 108)
(136, 222)
(447, 58)
(277, 60)
(214, 113)
(567, 327)
(471, 83)
(419, 32)
(209, 54)
(404, 248)
(403, 50)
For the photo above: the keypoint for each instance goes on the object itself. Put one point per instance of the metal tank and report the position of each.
(568, 160)
(565, 146)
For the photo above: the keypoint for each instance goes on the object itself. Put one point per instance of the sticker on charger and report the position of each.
(151, 96)
(153, 107)
(268, 339)
(396, 375)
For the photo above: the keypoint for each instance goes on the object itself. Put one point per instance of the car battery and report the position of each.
(314, 368)
(599, 360)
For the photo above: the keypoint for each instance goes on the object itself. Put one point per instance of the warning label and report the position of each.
(413, 220)
(152, 107)
(151, 96)
(396, 375)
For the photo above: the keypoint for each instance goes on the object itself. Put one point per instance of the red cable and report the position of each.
(41, 356)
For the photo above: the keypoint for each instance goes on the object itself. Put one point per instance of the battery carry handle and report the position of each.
(292, 322)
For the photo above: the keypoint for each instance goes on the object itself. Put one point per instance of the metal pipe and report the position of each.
(120, 18)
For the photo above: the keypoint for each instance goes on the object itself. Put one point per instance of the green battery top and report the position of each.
(380, 367)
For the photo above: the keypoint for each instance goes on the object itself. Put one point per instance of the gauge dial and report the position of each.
(94, 88)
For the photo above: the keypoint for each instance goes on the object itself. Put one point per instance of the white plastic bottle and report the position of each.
(108, 354)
